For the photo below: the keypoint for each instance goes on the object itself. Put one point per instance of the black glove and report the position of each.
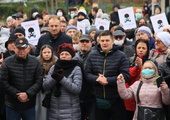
(58, 74)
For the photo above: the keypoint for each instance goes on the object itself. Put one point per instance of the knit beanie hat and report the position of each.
(11, 38)
(66, 47)
(146, 30)
(19, 29)
(164, 37)
(116, 5)
(38, 16)
(71, 27)
(92, 29)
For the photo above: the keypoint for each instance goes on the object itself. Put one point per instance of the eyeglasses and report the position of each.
(84, 41)
(118, 37)
(158, 41)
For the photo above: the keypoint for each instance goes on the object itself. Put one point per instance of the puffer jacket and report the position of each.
(20, 75)
(66, 106)
(149, 95)
(111, 65)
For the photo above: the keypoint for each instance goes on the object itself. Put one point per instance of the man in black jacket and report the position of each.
(54, 38)
(102, 68)
(21, 77)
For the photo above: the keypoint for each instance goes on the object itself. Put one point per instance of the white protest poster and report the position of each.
(81, 27)
(102, 24)
(127, 18)
(32, 31)
(158, 21)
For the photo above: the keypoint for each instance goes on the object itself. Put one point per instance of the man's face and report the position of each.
(19, 20)
(85, 45)
(46, 19)
(71, 32)
(92, 34)
(63, 27)
(40, 21)
(142, 35)
(19, 35)
(22, 52)
(106, 43)
(11, 45)
(54, 26)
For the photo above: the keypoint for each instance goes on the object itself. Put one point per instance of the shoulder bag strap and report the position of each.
(138, 90)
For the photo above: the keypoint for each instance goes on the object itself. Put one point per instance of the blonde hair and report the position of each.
(154, 67)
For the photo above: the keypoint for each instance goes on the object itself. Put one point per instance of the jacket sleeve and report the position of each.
(49, 82)
(10, 90)
(73, 83)
(38, 78)
(125, 93)
(89, 72)
(165, 96)
(38, 47)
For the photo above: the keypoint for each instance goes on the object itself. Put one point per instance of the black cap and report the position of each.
(11, 38)
(21, 42)
(17, 15)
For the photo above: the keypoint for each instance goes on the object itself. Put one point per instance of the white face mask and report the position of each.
(76, 47)
(118, 42)
(59, 14)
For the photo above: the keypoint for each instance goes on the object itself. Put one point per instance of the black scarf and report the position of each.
(67, 66)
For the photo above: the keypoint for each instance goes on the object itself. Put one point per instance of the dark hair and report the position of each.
(145, 57)
(95, 9)
(106, 33)
(48, 63)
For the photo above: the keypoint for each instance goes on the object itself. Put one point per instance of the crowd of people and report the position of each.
(114, 74)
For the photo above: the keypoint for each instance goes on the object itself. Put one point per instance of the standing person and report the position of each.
(47, 59)
(86, 95)
(54, 38)
(102, 68)
(21, 76)
(64, 80)
(148, 94)
(120, 41)
(136, 63)
(114, 15)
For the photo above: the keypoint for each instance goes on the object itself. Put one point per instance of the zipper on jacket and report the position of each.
(104, 68)
(24, 74)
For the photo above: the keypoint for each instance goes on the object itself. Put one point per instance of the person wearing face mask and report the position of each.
(60, 12)
(146, 92)
(138, 14)
(120, 40)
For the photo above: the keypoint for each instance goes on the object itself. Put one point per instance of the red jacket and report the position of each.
(134, 76)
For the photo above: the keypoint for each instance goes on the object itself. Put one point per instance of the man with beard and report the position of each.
(86, 96)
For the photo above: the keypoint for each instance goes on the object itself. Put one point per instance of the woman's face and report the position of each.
(65, 55)
(142, 22)
(159, 44)
(141, 49)
(46, 53)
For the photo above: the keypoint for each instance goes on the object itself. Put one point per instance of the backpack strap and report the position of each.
(137, 93)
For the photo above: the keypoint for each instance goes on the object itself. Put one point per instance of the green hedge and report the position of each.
(7, 9)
